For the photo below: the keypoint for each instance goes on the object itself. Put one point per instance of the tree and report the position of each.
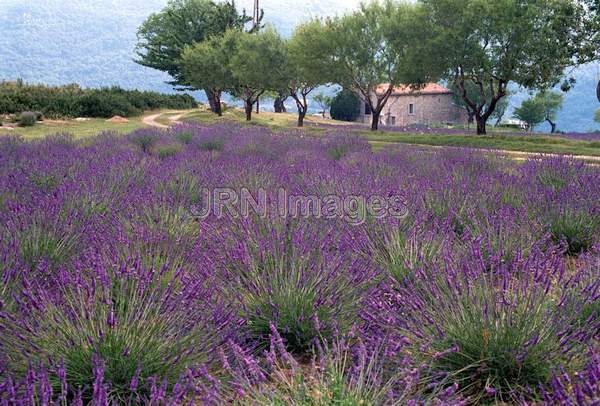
(279, 101)
(164, 35)
(345, 106)
(206, 65)
(257, 64)
(304, 72)
(532, 112)
(474, 95)
(500, 110)
(379, 44)
(597, 116)
(324, 102)
(491, 43)
(551, 103)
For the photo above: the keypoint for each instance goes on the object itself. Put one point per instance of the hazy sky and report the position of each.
(297, 11)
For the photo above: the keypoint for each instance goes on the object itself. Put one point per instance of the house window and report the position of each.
(367, 109)
(411, 108)
(392, 120)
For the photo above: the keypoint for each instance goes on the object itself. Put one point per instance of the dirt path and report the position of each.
(151, 119)
(515, 155)
(521, 155)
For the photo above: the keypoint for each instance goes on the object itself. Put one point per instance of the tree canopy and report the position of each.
(257, 64)
(304, 69)
(324, 102)
(163, 36)
(531, 112)
(551, 103)
(206, 65)
(243, 64)
(492, 43)
(378, 44)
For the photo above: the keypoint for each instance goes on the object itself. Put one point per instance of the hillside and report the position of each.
(91, 42)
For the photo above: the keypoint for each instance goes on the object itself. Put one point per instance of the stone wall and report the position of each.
(428, 109)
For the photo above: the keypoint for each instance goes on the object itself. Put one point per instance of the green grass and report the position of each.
(275, 121)
(284, 121)
(80, 129)
(381, 139)
(527, 143)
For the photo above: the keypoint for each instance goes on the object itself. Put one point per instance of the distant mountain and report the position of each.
(91, 42)
(580, 102)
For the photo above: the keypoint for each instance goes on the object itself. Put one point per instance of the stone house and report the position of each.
(430, 105)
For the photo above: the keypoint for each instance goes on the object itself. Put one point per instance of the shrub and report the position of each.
(167, 150)
(345, 106)
(211, 145)
(100, 103)
(144, 138)
(401, 252)
(27, 119)
(185, 137)
(40, 245)
(73, 101)
(345, 372)
(160, 236)
(582, 389)
(306, 296)
(339, 146)
(498, 337)
(134, 326)
(343, 376)
(576, 228)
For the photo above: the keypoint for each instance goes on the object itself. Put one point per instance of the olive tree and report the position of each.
(257, 64)
(530, 112)
(304, 70)
(491, 43)
(163, 36)
(206, 65)
(551, 103)
(381, 43)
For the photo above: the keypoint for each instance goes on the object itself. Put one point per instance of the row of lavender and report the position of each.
(115, 291)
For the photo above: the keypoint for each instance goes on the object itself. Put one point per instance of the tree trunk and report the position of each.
(552, 126)
(471, 116)
(215, 105)
(258, 105)
(248, 107)
(481, 122)
(375, 120)
(217, 100)
(278, 105)
(301, 115)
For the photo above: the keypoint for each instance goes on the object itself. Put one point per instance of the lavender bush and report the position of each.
(115, 290)
(133, 323)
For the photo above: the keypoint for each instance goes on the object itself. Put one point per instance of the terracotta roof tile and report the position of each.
(428, 88)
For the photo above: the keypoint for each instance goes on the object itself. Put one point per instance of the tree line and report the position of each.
(477, 47)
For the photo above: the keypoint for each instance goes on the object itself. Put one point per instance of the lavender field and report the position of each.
(231, 265)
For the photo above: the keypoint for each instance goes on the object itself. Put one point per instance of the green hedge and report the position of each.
(345, 106)
(73, 101)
